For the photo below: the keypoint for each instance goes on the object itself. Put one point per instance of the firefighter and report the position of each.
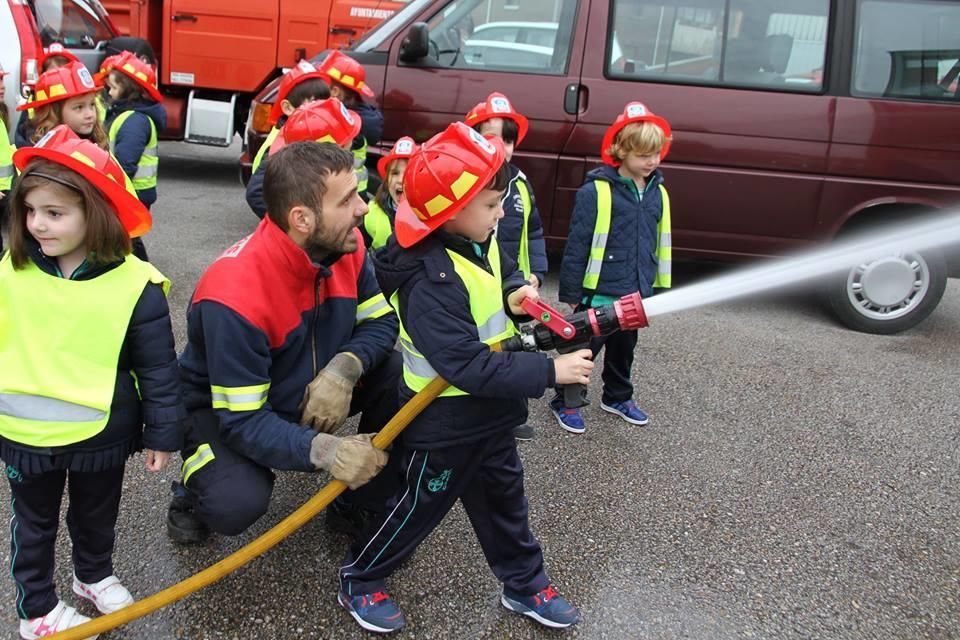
(287, 334)
(453, 291)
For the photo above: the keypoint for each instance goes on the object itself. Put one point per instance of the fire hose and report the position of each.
(553, 333)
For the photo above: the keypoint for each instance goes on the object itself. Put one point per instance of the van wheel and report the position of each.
(889, 294)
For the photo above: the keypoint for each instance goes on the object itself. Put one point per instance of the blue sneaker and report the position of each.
(626, 410)
(548, 607)
(569, 419)
(375, 612)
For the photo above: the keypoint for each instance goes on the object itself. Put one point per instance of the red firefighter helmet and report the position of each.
(62, 146)
(57, 50)
(403, 149)
(320, 121)
(340, 67)
(136, 69)
(498, 106)
(71, 80)
(106, 67)
(444, 174)
(633, 112)
(303, 70)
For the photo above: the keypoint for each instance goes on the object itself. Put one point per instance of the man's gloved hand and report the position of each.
(352, 459)
(326, 400)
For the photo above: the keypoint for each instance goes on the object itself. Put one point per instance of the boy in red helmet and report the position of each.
(301, 85)
(520, 233)
(317, 120)
(348, 83)
(619, 243)
(453, 291)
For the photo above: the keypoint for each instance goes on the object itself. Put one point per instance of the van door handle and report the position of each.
(182, 17)
(575, 98)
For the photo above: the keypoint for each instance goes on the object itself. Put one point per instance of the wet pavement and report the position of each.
(797, 480)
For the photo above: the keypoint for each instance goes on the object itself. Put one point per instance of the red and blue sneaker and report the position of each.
(547, 607)
(626, 410)
(569, 419)
(375, 612)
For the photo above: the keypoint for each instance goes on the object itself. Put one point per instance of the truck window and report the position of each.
(484, 34)
(907, 49)
(74, 23)
(777, 44)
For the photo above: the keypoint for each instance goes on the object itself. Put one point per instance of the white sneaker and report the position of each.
(108, 595)
(61, 618)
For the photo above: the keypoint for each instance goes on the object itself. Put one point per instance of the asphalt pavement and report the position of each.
(797, 480)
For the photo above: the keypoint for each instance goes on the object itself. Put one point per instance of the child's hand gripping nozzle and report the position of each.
(554, 332)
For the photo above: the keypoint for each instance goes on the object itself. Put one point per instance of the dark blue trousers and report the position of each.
(91, 519)
(232, 491)
(487, 477)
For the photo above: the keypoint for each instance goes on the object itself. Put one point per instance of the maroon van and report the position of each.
(795, 120)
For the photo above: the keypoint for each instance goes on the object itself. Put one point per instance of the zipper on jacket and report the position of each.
(317, 283)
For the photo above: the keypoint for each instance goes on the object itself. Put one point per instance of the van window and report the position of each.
(771, 44)
(74, 23)
(907, 49)
(484, 34)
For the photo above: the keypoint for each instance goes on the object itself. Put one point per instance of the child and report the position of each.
(66, 95)
(6, 157)
(619, 243)
(87, 347)
(452, 289)
(54, 56)
(377, 225)
(520, 233)
(348, 81)
(135, 116)
(301, 85)
(320, 121)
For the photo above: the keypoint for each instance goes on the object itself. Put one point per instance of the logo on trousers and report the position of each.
(440, 482)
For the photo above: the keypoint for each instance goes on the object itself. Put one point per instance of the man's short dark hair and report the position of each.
(296, 176)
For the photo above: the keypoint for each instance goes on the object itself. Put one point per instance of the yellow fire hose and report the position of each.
(264, 543)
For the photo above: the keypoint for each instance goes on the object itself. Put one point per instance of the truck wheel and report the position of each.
(888, 294)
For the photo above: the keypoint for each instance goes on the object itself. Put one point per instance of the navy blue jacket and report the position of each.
(147, 353)
(264, 315)
(511, 226)
(371, 127)
(134, 135)
(255, 190)
(23, 134)
(630, 261)
(435, 310)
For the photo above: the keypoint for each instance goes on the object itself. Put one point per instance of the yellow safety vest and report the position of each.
(60, 342)
(601, 229)
(146, 176)
(485, 291)
(6, 161)
(264, 148)
(523, 259)
(377, 225)
(360, 166)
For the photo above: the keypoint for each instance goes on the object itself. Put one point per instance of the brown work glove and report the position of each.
(326, 400)
(352, 459)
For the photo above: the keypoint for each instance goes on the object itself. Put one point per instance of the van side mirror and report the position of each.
(416, 44)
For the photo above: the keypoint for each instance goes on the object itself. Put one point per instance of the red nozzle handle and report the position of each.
(630, 313)
(550, 317)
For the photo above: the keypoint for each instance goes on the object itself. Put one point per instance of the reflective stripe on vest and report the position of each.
(249, 398)
(6, 161)
(147, 165)
(373, 307)
(601, 230)
(523, 259)
(485, 291)
(360, 167)
(60, 342)
(264, 148)
(377, 225)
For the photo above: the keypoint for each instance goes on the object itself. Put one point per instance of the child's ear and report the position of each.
(287, 107)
